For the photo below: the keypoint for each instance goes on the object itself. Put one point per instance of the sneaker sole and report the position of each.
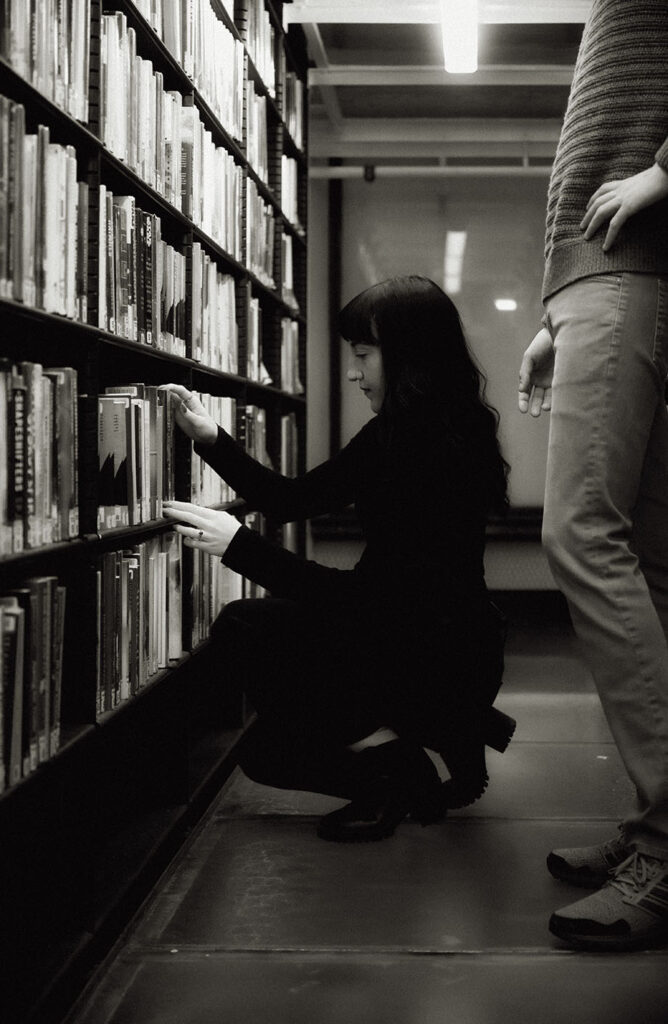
(652, 938)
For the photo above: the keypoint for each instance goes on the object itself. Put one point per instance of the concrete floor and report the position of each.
(260, 922)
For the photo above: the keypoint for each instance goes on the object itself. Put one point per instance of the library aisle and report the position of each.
(260, 922)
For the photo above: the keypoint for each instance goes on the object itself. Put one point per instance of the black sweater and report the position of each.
(422, 509)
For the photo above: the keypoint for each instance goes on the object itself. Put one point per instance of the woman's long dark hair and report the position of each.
(429, 371)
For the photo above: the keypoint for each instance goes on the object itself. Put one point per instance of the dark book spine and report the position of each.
(15, 208)
(140, 272)
(149, 279)
(82, 253)
(28, 602)
(58, 639)
(17, 458)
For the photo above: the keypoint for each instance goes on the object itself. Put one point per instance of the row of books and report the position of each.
(43, 219)
(156, 12)
(139, 617)
(142, 279)
(293, 107)
(287, 272)
(215, 334)
(32, 625)
(135, 455)
(214, 586)
(257, 150)
(47, 42)
(160, 136)
(208, 52)
(260, 225)
(290, 376)
(137, 116)
(255, 368)
(206, 486)
(260, 43)
(211, 183)
(39, 501)
(289, 189)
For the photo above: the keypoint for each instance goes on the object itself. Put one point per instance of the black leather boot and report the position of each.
(465, 757)
(390, 781)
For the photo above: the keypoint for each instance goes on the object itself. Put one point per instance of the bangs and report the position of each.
(355, 321)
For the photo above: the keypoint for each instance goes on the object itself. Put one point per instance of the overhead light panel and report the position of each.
(459, 25)
(453, 261)
(506, 305)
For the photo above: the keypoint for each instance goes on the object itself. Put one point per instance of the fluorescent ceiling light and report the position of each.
(505, 305)
(459, 25)
(453, 260)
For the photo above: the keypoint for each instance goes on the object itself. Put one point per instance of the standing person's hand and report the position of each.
(205, 529)
(616, 201)
(535, 390)
(191, 415)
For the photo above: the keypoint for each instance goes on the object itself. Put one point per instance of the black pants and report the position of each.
(321, 682)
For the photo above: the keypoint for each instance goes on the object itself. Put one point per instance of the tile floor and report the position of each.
(259, 922)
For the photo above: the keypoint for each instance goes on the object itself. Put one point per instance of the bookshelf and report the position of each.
(152, 229)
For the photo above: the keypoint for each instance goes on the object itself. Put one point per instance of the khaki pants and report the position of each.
(606, 514)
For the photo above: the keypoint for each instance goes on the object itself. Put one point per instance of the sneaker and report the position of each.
(589, 866)
(629, 912)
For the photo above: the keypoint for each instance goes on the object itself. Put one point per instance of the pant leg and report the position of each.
(605, 525)
(298, 673)
(269, 755)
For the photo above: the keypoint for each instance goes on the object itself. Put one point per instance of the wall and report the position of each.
(399, 226)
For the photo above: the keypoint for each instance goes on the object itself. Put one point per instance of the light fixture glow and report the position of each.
(453, 260)
(459, 26)
(505, 305)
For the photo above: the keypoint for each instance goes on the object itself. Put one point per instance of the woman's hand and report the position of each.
(616, 201)
(191, 415)
(535, 390)
(205, 529)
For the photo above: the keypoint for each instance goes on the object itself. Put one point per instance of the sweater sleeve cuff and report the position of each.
(239, 551)
(206, 451)
(661, 156)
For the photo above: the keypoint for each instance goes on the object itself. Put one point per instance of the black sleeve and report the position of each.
(424, 556)
(285, 574)
(327, 488)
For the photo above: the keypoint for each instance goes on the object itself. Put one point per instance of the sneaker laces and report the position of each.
(634, 873)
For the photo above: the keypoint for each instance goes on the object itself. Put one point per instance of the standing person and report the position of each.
(604, 354)
(354, 672)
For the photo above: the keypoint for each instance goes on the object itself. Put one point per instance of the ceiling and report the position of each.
(380, 98)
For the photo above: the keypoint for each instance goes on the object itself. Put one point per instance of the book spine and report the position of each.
(99, 669)
(139, 271)
(102, 320)
(48, 509)
(112, 309)
(33, 454)
(149, 279)
(4, 195)
(41, 644)
(13, 642)
(15, 200)
(71, 233)
(29, 225)
(58, 642)
(82, 253)
(124, 631)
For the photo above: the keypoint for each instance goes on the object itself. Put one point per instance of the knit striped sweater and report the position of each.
(616, 124)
